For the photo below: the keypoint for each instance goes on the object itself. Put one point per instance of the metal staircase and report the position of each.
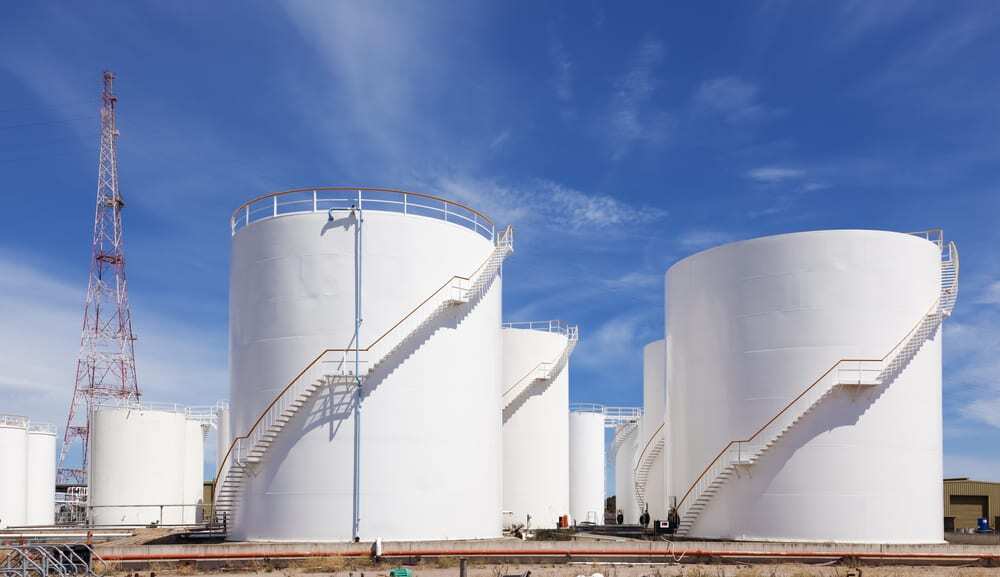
(845, 373)
(622, 433)
(336, 366)
(545, 371)
(644, 464)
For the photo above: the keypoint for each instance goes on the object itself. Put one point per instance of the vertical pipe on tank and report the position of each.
(357, 371)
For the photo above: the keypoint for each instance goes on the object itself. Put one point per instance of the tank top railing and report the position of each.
(323, 199)
(844, 372)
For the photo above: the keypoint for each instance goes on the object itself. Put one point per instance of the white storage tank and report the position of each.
(586, 464)
(428, 450)
(536, 422)
(41, 475)
(13, 480)
(651, 442)
(137, 459)
(194, 471)
(626, 437)
(783, 425)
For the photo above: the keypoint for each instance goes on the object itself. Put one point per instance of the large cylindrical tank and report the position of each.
(535, 428)
(586, 466)
(137, 461)
(654, 399)
(751, 326)
(624, 479)
(13, 479)
(429, 434)
(41, 475)
(194, 471)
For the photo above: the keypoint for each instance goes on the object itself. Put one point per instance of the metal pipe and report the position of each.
(358, 239)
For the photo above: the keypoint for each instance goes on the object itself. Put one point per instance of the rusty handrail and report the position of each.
(643, 453)
(802, 394)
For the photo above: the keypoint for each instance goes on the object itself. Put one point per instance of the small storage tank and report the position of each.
(417, 455)
(13, 480)
(586, 464)
(785, 399)
(536, 422)
(194, 471)
(41, 474)
(651, 443)
(624, 480)
(137, 460)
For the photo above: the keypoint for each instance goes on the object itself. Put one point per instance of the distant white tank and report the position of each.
(13, 479)
(624, 480)
(194, 471)
(536, 423)
(41, 474)
(429, 451)
(805, 387)
(586, 465)
(137, 461)
(651, 442)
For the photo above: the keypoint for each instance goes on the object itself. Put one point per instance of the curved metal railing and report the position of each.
(324, 199)
(552, 326)
(14, 421)
(47, 428)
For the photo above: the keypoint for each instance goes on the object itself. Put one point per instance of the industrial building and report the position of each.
(967, 501)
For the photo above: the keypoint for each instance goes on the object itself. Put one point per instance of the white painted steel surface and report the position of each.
(751, 325)
(430, 442)
(586, 467)
(194, 471)
(41, 475)
(137, 465)
(223, 435)
(536, 434)
(13, 477)
(654, 399)
(624, 479)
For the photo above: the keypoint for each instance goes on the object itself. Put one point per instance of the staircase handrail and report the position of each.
(572, 336)
(642, 454)
(739, 442)
(502, 242)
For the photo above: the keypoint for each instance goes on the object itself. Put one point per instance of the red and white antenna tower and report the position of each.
(105, 368)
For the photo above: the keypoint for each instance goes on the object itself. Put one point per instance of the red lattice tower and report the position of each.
(105, 368)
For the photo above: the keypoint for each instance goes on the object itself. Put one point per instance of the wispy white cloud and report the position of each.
(617, 342)
(857, 19)
(972, 370)
(977, 467)
(701, 239)
(548, 204)
(733, 98)
(633, 116)
(40, 336)
(562, 78)
(991, 294)
(633, 281)
(775, 174)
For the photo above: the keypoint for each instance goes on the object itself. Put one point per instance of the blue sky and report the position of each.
(615, 141)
